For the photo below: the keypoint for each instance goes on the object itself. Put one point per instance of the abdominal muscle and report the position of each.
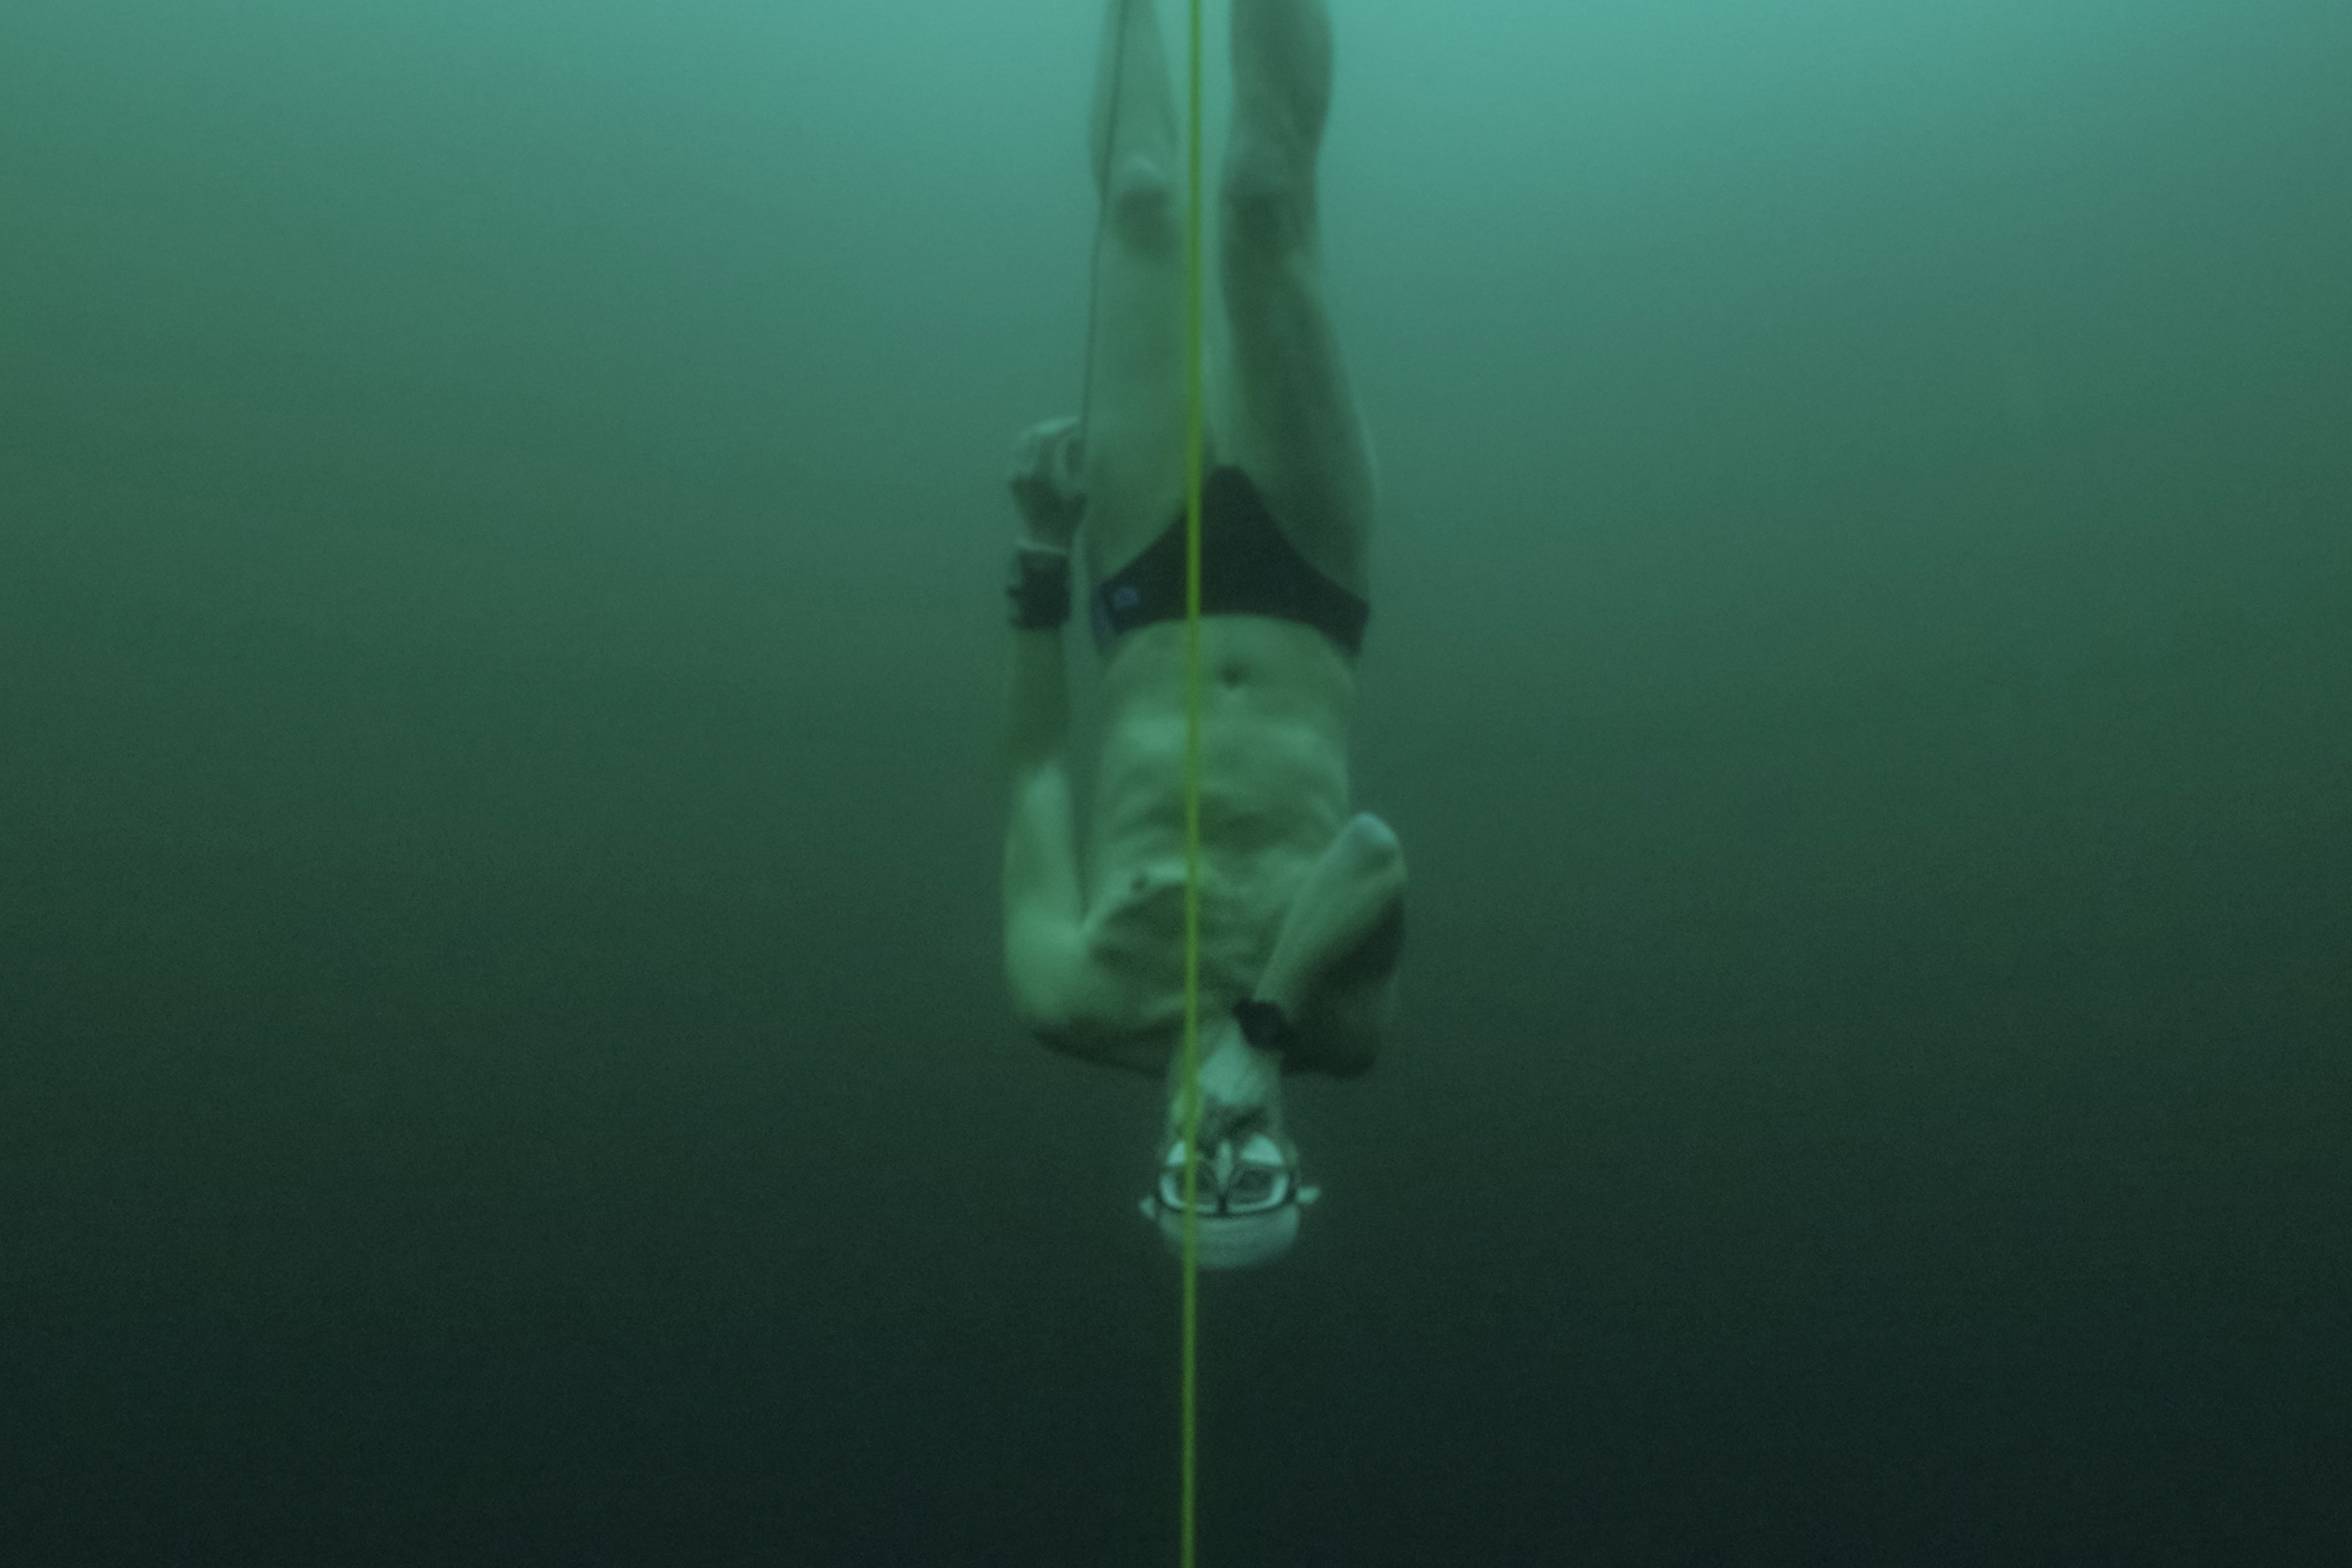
(1274, 701)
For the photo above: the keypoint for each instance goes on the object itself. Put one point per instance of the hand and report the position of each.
(1048, 481)
(1240, 1090)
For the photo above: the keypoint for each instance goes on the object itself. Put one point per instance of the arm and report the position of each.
(1044, 903)
(1043, 899)
(1332, 973)
(1333, 967)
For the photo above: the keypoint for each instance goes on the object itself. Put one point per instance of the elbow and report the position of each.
(1067, 1030)
(1043, 1007)
(1372, 851)
(1033, 1005)
(1067, 1035)
(1064, 1041)
(1351, 1060)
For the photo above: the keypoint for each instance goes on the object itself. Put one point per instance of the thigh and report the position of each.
(1294, 423)
(1135, 416)
(1292, 420)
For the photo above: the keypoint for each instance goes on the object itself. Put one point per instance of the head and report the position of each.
(1247, 1201)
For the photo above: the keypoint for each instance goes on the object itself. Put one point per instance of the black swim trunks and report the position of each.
(1247, 567)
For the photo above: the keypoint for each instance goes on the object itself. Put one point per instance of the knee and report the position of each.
(1267, 204)
(1141, 203)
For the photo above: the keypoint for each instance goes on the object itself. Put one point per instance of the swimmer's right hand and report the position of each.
(1048, 481)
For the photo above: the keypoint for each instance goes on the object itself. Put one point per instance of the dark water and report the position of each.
(502, 1058)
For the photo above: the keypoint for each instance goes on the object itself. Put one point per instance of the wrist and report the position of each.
(1267, 1028)
(1038, 586)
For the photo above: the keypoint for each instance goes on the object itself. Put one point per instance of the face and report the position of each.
(1246, 1203)
(1251, 1175)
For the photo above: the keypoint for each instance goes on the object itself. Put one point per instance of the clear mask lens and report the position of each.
(1252, 1184)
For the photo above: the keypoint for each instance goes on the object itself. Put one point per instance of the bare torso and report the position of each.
(1275, 697)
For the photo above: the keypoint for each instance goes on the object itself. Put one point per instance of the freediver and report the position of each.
(1302, 902)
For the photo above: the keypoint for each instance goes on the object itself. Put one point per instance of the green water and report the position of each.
(502, 1052)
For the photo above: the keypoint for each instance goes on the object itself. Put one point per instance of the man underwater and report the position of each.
(1302, 903)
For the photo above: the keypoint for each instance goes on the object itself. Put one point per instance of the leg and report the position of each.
(1134, 452)
(1294, 424)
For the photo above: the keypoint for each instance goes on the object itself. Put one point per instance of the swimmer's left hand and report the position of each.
(1048, 481)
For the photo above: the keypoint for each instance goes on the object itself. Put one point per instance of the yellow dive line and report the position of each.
(1192, 444)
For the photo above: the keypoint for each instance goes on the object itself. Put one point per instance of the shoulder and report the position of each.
(1087, 989)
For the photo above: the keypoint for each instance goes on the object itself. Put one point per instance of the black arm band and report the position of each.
(1266, 1028)
(1039, 587)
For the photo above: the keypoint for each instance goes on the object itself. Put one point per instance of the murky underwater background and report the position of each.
(502, 1054)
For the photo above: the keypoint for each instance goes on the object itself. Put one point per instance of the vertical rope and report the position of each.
(1193, 420)
(1118, 97)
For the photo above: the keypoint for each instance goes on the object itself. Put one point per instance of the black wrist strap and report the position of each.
(1038, 585)
(1266, 1028)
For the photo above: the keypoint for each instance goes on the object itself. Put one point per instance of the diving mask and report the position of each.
(1245, 1202)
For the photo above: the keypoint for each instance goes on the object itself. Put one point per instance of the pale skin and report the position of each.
(1301, 898)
